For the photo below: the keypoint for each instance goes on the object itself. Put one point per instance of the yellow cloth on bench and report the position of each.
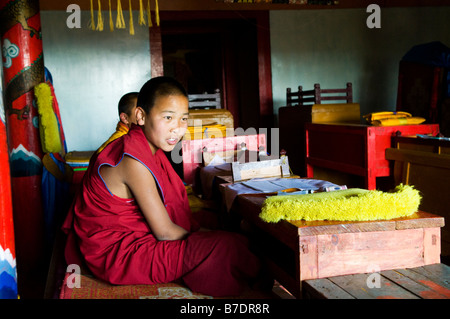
(392, 118)
(353, 204)
(399, 121)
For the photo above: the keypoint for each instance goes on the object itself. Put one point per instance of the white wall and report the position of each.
(332, 47)
(91, 70)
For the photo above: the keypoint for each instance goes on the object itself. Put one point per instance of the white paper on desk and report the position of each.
(276, 184)
(262, 185)
(272, 184)
(302, 184)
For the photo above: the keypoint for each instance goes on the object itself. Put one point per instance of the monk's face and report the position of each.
(166, 123)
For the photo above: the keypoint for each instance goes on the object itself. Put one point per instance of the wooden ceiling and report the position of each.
(220, 5)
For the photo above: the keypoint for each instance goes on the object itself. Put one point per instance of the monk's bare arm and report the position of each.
(130, 175)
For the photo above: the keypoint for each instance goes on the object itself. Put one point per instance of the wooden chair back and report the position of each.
(205, 100)
(318, 95)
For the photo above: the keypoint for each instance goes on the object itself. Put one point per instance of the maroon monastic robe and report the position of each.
(116, 242)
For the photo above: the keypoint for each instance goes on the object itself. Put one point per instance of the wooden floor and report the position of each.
(427, 282)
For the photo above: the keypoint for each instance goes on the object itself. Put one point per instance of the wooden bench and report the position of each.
(427, 282)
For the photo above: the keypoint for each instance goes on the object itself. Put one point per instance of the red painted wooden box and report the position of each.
(356, 149)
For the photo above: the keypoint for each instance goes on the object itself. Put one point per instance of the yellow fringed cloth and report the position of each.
(399, 121)
(392, 118)
(353, 204)
(121, 129)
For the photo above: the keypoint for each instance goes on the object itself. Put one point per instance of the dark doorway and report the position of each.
(206, 52)
(194, 60)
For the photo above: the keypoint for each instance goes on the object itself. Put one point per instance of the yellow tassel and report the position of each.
(149, 14)
(111, 23)
(120, 21)
(157, 12)
(92, 22)
(141, 13)
(99, 17)
(131, 18)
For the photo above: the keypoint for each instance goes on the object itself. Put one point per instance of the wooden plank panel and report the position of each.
(432, 245)
(419, 220)
(344, 113)
(427, 282)
(411, 285)
(437, 272)
(357, 285)
(308, 267)
(437, 287)
(436, 278)
(323, 227)
(418, 157)
(353, 253)
(156, 57)
(324, 289)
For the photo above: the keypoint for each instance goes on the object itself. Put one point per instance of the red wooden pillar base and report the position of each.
(23, 69)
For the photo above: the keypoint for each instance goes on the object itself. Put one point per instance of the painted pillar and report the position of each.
(23, 68)
(8, 272)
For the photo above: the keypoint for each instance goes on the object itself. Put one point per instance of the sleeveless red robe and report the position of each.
(116, 242)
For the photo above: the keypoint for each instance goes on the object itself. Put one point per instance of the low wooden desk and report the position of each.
(302, 250)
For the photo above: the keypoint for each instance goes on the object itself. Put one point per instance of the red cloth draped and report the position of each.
(117, 244)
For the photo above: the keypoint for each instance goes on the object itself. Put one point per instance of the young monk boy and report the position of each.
(127, 116)
(131, 220)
